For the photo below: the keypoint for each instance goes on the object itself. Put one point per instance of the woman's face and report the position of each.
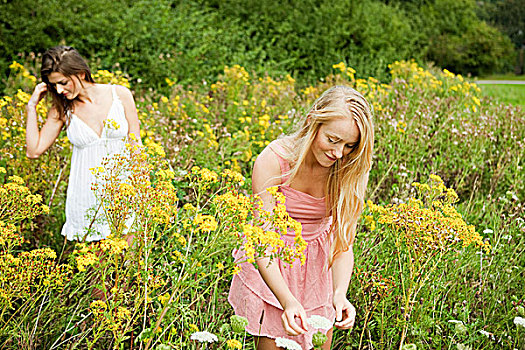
(334, 140)
(69, 87)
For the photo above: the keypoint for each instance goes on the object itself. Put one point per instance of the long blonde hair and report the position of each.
(348, 177)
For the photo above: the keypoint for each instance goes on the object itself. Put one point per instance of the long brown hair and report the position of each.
(348, 177)
(68, 62)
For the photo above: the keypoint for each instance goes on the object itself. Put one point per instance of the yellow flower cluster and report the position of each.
(349, 71)
(84, 256)
(165, 174)
(17, 202)
(444, 83)
(190, 208)
(8, 236)
(98, 307)
(236, 73)
(113, 246)
(88, 259)
(154, 149)
(107, 77)
(429, 222)
(234, 205)
(374, 285)
(233, 344)
(284, 225)
(112, 317)
(112, 124)
(164, 298)
(29, 274)
(413, 75)
(135, 187)
(234, 176)
(264, 240)
(369, 222)
(205, 175)
(164, 201)
(205, 223)
(127, 190)
(17, 68)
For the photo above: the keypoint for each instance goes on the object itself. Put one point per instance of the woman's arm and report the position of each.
(341, 273)
(130, 110)
(267, 173)
(38, 141)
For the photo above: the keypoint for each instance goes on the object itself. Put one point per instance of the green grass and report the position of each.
(513, 94)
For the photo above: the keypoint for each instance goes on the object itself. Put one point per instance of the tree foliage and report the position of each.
(188, 41)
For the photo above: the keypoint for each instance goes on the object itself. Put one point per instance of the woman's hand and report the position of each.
(38, 94)
(292, 310)
(344, 312)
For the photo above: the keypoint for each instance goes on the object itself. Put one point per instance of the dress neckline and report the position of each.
(104, 122)
(303, 193)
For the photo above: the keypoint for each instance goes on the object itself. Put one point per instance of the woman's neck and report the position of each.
(312, 167)
(87, 92)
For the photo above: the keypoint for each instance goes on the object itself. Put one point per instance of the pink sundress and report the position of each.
(310, 283)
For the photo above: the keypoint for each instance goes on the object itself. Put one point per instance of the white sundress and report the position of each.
(89, 149)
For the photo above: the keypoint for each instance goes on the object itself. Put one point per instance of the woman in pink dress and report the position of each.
(322, 169)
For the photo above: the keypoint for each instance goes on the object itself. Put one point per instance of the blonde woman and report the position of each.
(98, 117)
(322, 169)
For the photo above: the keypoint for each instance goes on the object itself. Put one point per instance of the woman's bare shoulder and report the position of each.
(267, 159)
(266, 170)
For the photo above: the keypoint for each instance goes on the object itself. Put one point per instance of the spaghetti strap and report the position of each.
(114, 92)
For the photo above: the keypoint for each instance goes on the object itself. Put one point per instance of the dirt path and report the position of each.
(502, 82)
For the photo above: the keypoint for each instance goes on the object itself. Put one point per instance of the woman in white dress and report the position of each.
(98, 119)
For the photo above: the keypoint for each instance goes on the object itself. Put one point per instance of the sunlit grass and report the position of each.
(505, 93)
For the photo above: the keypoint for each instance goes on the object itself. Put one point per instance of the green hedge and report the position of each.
(191, 40)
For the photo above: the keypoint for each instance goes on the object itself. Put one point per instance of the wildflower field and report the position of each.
(439, 250)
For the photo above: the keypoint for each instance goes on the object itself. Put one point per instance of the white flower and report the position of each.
(287, 344)
(319, 322)
(487, 231)
(455, 321)
(204, 337)
(409, 347)
(519, 321)
(487, 334)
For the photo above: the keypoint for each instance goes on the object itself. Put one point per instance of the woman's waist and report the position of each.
(308, 234)
(103, 142)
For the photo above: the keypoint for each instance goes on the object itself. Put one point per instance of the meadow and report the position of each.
(513, 94)
(440, 245)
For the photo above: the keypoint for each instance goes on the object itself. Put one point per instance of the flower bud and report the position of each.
(460, 328)
(319, 339)
(521, 310)
(238, 323)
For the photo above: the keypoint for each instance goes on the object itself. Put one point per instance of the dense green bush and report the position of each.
(188, 41)
(479, 50)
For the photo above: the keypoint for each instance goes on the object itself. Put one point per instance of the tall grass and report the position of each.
(174, 280)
